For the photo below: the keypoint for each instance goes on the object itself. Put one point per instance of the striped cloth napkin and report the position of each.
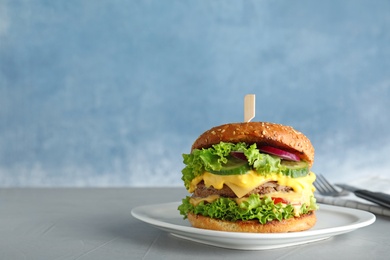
(352, 201)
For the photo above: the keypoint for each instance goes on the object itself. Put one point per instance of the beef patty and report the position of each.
(268, 187)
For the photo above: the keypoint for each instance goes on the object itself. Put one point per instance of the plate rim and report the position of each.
(364, 219)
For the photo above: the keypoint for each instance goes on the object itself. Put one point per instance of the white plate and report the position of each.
(331, 221)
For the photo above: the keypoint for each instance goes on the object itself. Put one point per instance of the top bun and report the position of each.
(261, 133)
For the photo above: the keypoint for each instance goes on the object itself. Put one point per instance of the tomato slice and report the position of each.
(279, 200)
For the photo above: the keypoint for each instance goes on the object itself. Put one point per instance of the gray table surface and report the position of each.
(95, 223)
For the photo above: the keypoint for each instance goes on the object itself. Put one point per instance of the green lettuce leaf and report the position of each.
(258, 208)
(212, 159)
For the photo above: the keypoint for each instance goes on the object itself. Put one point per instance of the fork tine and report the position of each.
(324, 187)
(327, 189)
(319, 185)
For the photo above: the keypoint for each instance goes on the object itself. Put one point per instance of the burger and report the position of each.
(250, 177)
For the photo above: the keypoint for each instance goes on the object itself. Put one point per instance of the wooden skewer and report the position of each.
(249, 107)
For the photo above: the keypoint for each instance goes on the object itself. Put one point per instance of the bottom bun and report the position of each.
(304, 222)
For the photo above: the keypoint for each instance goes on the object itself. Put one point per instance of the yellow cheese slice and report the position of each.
(242, 184)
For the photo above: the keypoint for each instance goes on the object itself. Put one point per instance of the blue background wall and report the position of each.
(111, 93)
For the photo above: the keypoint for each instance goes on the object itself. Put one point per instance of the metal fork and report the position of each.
(324, 187)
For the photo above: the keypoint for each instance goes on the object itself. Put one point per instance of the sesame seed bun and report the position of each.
(262, 133)
(294, 224)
